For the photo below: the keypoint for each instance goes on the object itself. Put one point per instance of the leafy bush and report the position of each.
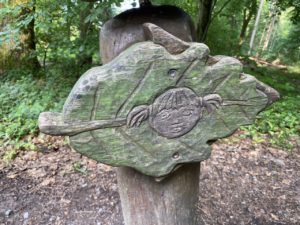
(281, 121)
(10, 155)
(23, 97)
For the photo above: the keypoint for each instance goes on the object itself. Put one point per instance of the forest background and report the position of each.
(45, 46)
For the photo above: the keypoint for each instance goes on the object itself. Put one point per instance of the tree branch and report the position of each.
(220, 10)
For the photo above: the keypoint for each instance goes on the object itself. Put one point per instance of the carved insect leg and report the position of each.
(211, 102)
(138, 115)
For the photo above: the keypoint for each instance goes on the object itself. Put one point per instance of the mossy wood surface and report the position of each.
(137, 77)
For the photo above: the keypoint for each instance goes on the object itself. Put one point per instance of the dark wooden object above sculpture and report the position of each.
(126, 28)
(158, 105)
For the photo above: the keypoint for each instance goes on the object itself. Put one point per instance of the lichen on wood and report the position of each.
(221, 99)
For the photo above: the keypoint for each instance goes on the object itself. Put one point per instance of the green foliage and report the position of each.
(294, 5)
(10, 155)
(226, 26)
(63, 29)
(23, 98)
(79, 168)
(285, 41)
(281, 121)
(190, 6)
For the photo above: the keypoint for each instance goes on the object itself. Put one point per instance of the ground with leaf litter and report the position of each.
(240, 184)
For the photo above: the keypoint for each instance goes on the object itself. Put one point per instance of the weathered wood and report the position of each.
(166, 127)
(126, 29)
(159, 36)
(153, 72)
(53, 124)
(160, 197)
(139, 147)
(169, 202)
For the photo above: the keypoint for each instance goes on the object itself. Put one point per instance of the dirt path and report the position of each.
(240, 184)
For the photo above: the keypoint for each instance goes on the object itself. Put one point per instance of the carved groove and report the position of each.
(221, 84)
(135, 90)
(128, 137)
(186, 71)
(223, 121)
(96, 102)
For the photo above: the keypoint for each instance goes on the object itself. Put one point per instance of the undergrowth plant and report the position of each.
(280, 123)
(23, 97)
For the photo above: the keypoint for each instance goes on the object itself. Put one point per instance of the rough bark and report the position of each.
(205, 13)
(84, 29)
(30, 39)
(248, 14)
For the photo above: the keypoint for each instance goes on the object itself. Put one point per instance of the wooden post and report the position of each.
(169, 202)
(144, 200)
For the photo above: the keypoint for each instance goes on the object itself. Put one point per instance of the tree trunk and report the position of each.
(269, 34)
(169, 202)
(30, 39)
(246, 20)
(270, 29)
(261, 41)
(273, 36)
(255, 26)
(205, 12)
(84, 29)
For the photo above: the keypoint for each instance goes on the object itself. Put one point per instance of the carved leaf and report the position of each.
(127, 86)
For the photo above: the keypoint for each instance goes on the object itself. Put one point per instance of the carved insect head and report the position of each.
(175, 112)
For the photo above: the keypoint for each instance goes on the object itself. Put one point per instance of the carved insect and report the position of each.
(175, 112)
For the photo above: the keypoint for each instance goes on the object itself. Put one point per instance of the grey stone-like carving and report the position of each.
(175, 112)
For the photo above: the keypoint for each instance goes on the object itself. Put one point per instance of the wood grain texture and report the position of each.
(159, 36)
(170, 202)
(136, 77)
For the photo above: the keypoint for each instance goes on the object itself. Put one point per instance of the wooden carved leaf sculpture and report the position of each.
(151, 110)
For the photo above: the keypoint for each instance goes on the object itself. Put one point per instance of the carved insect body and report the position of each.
(175, 112)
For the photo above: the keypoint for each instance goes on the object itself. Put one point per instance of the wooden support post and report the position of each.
(169, 202)
(144, 200)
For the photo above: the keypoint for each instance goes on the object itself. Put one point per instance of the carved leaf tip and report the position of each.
(160, 36)
(271, 93)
